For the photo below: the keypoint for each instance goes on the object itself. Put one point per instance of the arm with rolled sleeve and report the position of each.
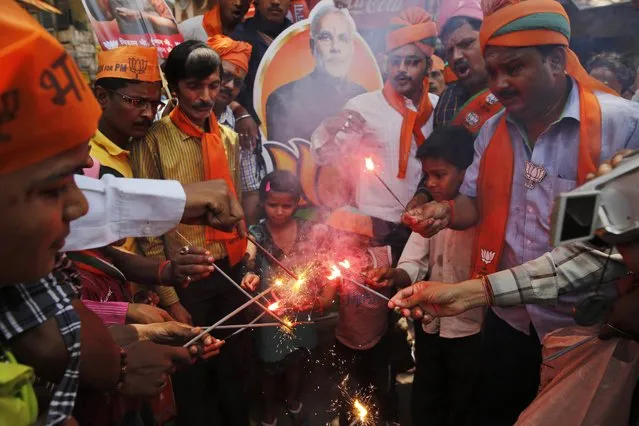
(144, 165)
(563, 270)
(120, 208)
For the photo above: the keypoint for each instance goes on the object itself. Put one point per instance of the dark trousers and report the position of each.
(445, 381)
(214, 392)
(369, 369)
(509, 378)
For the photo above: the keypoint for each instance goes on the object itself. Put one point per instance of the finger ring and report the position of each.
(347, 124)
(188, 279)
(184, 250)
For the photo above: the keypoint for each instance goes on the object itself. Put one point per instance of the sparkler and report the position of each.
(273, 258)
(361, 412)
(336, 273)
(239, 287)
(370, 166)
(261, 325)
(256, 319)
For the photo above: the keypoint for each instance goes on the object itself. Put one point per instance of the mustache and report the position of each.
(506, 93)
(461, 63)
(275, 9)
(402, 75)
(143, 122)
(202, 105)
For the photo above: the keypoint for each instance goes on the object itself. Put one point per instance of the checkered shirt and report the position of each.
(26, 306)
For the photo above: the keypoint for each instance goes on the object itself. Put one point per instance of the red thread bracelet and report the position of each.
(161, 268)
(488, 290)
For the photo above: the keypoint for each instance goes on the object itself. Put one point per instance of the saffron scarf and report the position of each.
(529, 23)
(411, 124)
(215, 167)
(477, 110)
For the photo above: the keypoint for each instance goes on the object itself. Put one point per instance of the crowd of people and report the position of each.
(139, 212)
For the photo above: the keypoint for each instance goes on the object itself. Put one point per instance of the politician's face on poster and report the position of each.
(332, 43)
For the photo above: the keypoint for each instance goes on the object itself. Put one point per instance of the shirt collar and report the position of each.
(100, 139)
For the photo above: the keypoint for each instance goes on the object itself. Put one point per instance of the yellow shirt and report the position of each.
(113, 161)
(168, 153)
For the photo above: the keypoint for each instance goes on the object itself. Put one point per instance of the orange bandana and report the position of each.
(412, 123)
(514, 25)
(236, 52)
(215, 167)
(413, 25)
(129, 63)
(46, 107)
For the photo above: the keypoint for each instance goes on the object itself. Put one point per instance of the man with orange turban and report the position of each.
(235, 57)
(387, 124)
(436, 76)
(558, 125)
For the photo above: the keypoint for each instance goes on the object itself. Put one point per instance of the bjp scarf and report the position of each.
(413, 26)
(46, 107)
(529, 23)
(212, 21)
(215, 167)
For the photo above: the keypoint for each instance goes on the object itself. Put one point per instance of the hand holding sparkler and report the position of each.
(250, 281)
(337, 273)
(430, 218)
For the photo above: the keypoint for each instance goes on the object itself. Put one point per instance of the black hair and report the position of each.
(112, 83)
(453, 144)
(617, 64)
(191, 59)
(456, 22)
(280, 181)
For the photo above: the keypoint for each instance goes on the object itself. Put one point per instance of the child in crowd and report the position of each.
(447, 350)
(283, 236)
(362, 338)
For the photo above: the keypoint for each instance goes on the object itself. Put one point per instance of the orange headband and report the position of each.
(129, 63)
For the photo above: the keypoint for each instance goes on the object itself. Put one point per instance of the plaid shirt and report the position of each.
(451, 100)
(24, 307)
(574, 268)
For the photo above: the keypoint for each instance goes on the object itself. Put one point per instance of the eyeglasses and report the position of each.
(139, 103)
(238, 82)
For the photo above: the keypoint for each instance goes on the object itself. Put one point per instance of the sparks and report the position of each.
(362, 412)
(370, 166)
(335, 273)
(279, 283)
(298, 285)
(345, 264)
(274, 306)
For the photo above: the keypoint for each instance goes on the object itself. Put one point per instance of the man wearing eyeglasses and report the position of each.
(296, 109)
(235, 56)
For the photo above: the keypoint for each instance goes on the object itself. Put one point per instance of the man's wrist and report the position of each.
(473, 293)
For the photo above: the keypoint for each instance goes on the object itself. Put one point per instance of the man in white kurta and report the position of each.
(370, 125)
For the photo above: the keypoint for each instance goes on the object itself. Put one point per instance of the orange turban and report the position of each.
(236, 52)
(438, 63)
(46, 107)
(512, 23)
(413, 25)
(129, 63)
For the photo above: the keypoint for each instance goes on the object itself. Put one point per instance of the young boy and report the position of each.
(447, 351)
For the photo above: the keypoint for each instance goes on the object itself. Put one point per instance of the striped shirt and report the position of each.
(578, 268)
(168, 153)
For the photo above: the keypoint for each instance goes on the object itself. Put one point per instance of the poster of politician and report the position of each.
(144, 23)
(308, 74)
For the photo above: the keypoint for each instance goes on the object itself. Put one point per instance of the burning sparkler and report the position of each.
(370, 166)
(273, 258)
(336, 273)
(361, 411)
(274, 306)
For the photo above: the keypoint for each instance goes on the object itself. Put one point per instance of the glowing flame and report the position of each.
(345, 264)
(335, 273)
(370, 166)
(274, 306)
(287, 326)
(279, 283)
(298, 284)
(362, 412)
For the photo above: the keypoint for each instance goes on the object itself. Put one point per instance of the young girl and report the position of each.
(282, 235)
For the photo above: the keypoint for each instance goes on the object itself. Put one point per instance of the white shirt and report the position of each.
(192, 29)
(446, 257)
(123, 207)
(380, 141)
